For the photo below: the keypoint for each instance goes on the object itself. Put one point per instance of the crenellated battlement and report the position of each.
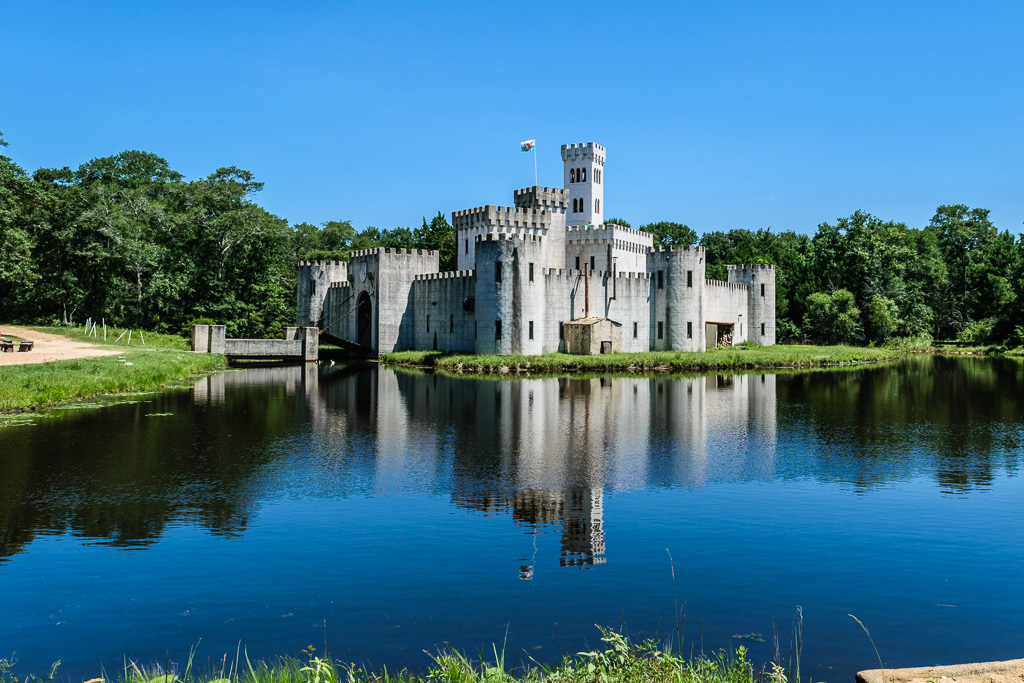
(396, 251)
(321, 263)
(720, 283)
(508, 236)
(576, 272)
(492, 216)
(537, 197)
(584, 150)
(748, 267)
(339, 285)
(448, 275)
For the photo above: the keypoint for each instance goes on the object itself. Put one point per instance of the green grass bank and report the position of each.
(163, 361)
(736, 358)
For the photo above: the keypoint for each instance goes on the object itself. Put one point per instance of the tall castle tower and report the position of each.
(584, 178)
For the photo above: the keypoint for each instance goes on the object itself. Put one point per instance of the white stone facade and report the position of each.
(525, 270)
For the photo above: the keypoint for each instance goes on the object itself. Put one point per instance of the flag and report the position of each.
(527, 145)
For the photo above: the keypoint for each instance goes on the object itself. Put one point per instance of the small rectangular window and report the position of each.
(428, 323)
(561, 330)
(531, 272)
(661, 279)
(689, 278)
(762, 324)
(474, 330)
(689, 330)
(497, 330)
(497, 271)
(467, 246)
(591, 264)
(634, 330)
(531, 329)
(762, 289)
(451, 323)
(577, 263)
(661, 329)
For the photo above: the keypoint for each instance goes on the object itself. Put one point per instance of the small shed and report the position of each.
(592, 335)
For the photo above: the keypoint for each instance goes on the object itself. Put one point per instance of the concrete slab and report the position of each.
(1010, 671)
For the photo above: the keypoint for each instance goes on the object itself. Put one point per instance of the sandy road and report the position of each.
(48, 347)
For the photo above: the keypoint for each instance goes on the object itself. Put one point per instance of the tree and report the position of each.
(670, 234)
(883, 318)
(617, 221)
(438, 235)
(833, 319)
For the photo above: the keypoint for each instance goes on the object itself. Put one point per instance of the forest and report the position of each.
(127, 239)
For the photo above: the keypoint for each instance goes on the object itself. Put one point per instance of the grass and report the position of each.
(162, 362)
(618, 661)
(736, 358)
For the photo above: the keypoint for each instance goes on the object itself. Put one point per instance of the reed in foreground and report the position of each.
(619, 661)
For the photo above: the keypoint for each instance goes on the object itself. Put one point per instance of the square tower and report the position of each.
(584, 178)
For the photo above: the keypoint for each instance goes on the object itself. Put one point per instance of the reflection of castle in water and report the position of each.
(545, 450)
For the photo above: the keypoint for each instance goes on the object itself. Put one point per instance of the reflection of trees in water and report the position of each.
(117, 475)
(958, 419)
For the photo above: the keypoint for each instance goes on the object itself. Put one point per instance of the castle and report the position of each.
(546, 274)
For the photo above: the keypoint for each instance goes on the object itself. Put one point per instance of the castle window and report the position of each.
(689, 330)
(572, 175)
(762, 294)
(661, 279)
(577, 263)
(531, 272)
(497, 271)
(762, 324)
(592, 263)
(467, 246)
(583, 175)
(451, 324)
(634, 330)
(597, 206)
(312, 288)
(531, 329)
(689, 278)
(474, 330)
(561, 330)
(661, 329)
(497, 330)
(428, 323)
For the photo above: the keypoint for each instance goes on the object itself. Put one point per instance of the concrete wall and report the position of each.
(587, 337)
(759, 280)
(314, 279)
(727, 303)
(389, 275)
(442, 321)
(515, 300)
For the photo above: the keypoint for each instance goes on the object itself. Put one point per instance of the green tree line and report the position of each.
(128, 239)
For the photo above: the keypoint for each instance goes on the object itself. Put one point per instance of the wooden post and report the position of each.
(129, 337)
(104, 329)
(586, 290)
(143, 338)
(119, 338)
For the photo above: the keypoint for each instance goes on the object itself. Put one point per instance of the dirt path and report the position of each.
(48, 347)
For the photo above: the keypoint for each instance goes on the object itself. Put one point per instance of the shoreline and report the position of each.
(103, 370)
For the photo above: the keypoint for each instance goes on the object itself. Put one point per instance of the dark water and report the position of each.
(389, 513)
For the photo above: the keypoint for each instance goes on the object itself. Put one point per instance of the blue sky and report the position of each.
(716, 114)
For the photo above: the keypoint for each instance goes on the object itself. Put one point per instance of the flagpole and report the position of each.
(535, 164)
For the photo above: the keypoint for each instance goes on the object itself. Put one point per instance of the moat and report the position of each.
(388, 513)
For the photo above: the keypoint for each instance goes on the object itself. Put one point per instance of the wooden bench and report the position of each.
(6, 345)
(26, 346)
